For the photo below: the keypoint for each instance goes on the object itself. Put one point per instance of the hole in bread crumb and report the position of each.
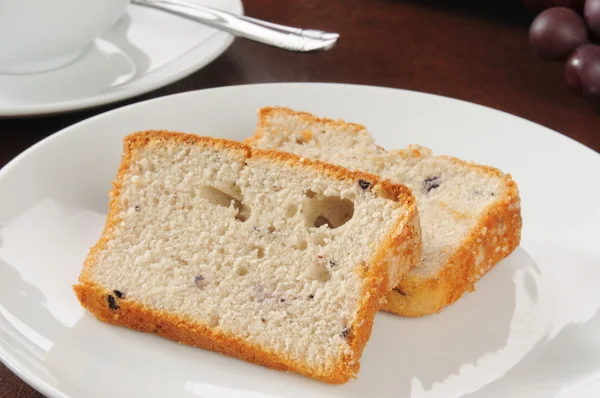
(320, 221)
(260, 252)
(219, 197)
(310, 194)
(243, 213)
(331, 212)
(319, 239)
(319, 272)
(291, 210)
(242, 271)
(301, 245)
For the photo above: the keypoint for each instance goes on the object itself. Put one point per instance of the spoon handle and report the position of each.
(280, 36)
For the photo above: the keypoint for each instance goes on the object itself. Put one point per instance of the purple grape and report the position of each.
(592, 16)
(556, 32)
(573, 71)
(582, 71)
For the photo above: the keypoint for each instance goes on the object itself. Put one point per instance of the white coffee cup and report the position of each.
(39, 35)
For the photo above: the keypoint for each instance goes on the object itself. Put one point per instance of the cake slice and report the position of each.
(260, 255)
(470, 214)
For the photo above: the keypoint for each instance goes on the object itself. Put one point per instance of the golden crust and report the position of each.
(264, 112)
(494, 237)
(402, 245)
(135, 316)
(502, 222)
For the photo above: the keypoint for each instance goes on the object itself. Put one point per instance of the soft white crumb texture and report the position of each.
(256, 268)
(451, 198)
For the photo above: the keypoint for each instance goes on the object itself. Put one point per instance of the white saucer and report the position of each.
(531, 329)
(145, 50)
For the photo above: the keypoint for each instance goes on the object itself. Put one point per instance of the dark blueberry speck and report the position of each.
(399, 291)
(112, 303)
(431, 183)
(137, 208)
(282, 300)
(364, 184)
(345, 333)
(263, 320)
(118, 293)
(198, 279)
(332, 263)
(311, 296)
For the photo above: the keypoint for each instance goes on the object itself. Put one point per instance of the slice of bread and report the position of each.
(470, 214)
(260, 255)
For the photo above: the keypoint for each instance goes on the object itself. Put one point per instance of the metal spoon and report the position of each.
(285, 37)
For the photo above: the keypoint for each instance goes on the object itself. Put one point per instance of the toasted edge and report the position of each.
(418, 296)
(496, 235)
(403, 240)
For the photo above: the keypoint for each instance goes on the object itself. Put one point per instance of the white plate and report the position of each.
(531, 329)
(145, 50)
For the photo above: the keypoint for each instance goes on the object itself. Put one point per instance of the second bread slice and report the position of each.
(470, 214)
(260, 255)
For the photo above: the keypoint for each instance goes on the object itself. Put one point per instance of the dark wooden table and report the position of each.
(473, 50)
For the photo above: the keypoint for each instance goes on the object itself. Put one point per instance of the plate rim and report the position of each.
(10, 359)
(221, 40)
